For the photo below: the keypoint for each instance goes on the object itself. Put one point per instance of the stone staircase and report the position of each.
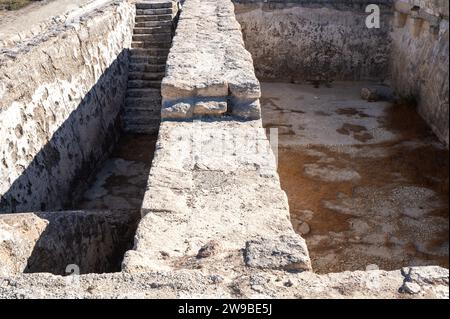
(151, 42)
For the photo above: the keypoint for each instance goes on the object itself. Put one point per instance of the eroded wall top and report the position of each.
(209, 71)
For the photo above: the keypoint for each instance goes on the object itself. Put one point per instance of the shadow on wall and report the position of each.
(90, 241)
(62, 169)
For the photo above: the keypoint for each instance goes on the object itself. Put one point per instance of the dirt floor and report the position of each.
(367, 182)
(122, 180)
(35, 12)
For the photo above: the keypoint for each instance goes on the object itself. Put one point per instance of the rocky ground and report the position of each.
(423, 282)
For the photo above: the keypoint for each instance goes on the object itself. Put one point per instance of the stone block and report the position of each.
(285, 253)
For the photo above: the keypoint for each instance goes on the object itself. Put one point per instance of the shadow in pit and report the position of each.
(83, 242)
(61, 171)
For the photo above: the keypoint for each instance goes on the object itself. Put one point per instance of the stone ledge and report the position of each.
(214, 181)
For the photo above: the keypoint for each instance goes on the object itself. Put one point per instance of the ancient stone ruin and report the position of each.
(225, 149)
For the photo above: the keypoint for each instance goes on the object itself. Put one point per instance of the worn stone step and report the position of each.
(146, 76)
(149, 52)
(161, 11)
(153, 24)
(146, 52)
(143, 103)
(149, 108)
(153, 30)
(147, 67)
(157, 37)
(144, 84)
(141, 129)
(146, 18)
(143, 93)
(151, 45)
(135, 120)
(148, 59)
(154, 5)
(133, 115)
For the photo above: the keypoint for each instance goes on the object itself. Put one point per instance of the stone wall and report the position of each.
(60, 94)
(212, 73)
(48, 242)
(213, 191)
(300, 40)
(419, 64)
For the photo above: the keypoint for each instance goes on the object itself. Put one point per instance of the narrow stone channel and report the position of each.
(121, 181)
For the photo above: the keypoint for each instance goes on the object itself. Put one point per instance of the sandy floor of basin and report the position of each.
(121, 182)
(367, 182)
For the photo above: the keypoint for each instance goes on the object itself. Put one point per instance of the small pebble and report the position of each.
(304, 229)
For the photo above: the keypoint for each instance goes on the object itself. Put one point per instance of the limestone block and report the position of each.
(286, 252)
(178, 110)
(244, 108)
(210, 107)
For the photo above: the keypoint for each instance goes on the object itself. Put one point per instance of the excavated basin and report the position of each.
(367, 182)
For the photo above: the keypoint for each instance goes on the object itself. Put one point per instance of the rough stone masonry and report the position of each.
(215, 221)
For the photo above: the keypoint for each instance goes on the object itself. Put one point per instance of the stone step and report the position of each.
(159, 18)
(154, 5)
(148, 59)
(153, 30)
(133, 114)
(162, 11)
(146, 76)
(144, 84)
(147, 67)
(135, 120)
(147, 52)
(143, 93)
(153, 24)
(150, 45)
(148, 103)
(141, 129)
(157, 37)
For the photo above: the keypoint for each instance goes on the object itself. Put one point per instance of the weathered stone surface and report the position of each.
(59, 101)
(212, 64)
(210, 107)
(419, 65)
(18, 236)
(210, 180)
(286, 252)
(301, 41)
(196, 284)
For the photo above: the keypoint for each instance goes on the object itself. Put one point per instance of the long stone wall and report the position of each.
(213, 190)
(298, 40)
(60, 94)
(419, 64)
